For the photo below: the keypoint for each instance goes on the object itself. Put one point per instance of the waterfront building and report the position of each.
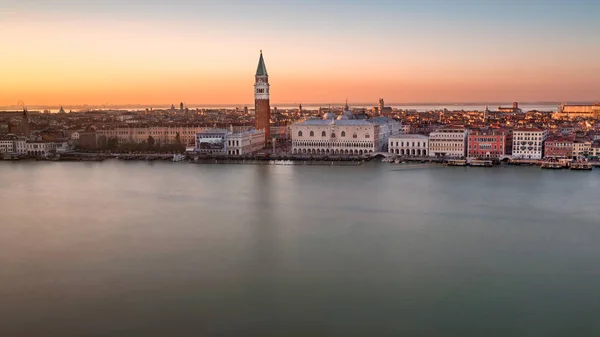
(162, 134)
(211, 141)
(12, 144)
(528, 143)
(514, 109)
(409, 145)
(343, 135)
(228, 142)
(246, 142)
(262, 108)
(568, 111)
(489, 143)
(559, 146)
(450, 141)
(40, 148)
(595, 150)
(581, 147)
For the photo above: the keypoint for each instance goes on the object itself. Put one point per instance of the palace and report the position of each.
(343, 135)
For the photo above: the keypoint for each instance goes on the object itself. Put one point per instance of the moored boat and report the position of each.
(481, 163)
(552, 165)
(456, 162)
(581, 166)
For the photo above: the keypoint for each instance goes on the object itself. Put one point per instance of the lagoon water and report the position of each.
(172, 249)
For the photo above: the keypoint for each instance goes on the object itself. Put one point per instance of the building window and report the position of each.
(343, 133)
(299, 133)
(312, 133)
(323, 134)
(354, 136)
(332, 135)
(367, 136)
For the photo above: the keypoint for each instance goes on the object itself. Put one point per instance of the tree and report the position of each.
(177, 139)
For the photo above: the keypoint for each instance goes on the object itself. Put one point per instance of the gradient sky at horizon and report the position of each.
(205, 52)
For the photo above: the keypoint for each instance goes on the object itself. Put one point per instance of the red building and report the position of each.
(262, 108)
(559, 146)
(489, 143)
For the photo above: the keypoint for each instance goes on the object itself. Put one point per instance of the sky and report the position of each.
(70, 52)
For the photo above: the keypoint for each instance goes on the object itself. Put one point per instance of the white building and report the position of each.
(409, 145)
(343, 135)
(224, 142)
(246, 142)
(41, 148)
(13, 145)
(528, 143)
(450, 141)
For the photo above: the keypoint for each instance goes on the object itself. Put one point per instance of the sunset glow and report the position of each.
(205, 52)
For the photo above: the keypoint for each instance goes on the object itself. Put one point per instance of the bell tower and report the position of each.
(262, 108)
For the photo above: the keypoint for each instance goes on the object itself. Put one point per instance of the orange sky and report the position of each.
(70, 60)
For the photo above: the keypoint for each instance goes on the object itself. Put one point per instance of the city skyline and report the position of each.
(151, 52)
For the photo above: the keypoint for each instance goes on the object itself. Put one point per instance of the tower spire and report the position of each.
(261, 70)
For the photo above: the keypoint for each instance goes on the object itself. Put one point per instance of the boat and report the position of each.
(552, 165)
(178, 157)
(581, 166)
(456, 162)
(481, 163)
(398, 161)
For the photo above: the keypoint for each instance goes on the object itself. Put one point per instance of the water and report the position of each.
(164, 249)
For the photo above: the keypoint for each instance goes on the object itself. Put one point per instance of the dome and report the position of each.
(348, 113)
(329, 115)
(342, 117)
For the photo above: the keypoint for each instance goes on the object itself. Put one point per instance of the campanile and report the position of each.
(262, 108)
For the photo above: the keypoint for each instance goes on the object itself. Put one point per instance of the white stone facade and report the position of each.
(224, 142)
(409, 145)
(528, 143)
(12, 144)
(335, 137)
(247, 142)
(41, 148)
(449, 142)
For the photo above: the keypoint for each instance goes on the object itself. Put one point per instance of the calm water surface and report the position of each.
(164, 249)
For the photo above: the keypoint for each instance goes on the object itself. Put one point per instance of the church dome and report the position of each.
(328, 115)
(342, 117)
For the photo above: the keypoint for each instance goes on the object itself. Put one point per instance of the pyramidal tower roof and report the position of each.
(262, 69)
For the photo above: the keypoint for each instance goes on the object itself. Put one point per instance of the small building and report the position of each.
(247, 142)
(581, 147)
(409, 145)
(528, 143)
(559, 146)
(449, 141)
(595, 150)
(211, 141)
(11, 144)
(228, 142)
